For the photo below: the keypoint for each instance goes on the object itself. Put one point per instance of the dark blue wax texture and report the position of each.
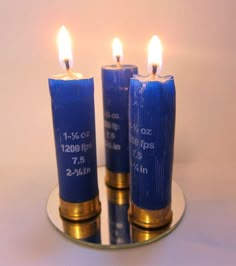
(152, 127)
(74, 133)
(115, 83)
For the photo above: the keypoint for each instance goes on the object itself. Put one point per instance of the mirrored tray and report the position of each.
(112, 229)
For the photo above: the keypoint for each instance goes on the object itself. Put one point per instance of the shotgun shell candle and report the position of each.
(115, 83)
(152, 127)
(72, 100)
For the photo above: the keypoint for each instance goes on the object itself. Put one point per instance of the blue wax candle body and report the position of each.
(152, 127)
(118, 223)
(115, 82)
(74, 133)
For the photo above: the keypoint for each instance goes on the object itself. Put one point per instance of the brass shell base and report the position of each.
(82, 230)
(150, 218)
(80, 211)
(116, 180)
(118, 196)
(140, 234)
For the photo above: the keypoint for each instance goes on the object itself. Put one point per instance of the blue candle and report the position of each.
(115, 83)
(72, 99)
(152, 127)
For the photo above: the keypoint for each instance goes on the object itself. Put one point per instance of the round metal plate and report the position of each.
(111, 229)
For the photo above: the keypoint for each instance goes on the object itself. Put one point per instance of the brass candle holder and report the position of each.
(150, 218)
(80, 211)
(117, 180)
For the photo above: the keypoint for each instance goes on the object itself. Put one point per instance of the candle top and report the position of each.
(118, 66)
(69, 75)
(153, 78)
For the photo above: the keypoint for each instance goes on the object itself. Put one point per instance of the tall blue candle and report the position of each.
(72, 99)
(115, 83)
(152, 127)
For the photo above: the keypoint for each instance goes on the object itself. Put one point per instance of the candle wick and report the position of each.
(118, 60)
(154, 69)
(67, 63)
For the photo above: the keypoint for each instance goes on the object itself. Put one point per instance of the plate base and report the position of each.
(111, 229)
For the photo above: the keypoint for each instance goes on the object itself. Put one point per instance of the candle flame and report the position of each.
(155, 53)
(64, 46)
(117, 50)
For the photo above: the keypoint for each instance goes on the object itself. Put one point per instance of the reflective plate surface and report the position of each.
(111, 229)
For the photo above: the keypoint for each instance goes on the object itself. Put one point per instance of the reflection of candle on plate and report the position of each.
(139, 234)
(152, 126)
(72, 98)
(115, 82)
(88, 230)
(118, 204)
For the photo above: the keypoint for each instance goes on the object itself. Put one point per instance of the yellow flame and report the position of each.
(155, 52)
(117, 49)
(64, 45)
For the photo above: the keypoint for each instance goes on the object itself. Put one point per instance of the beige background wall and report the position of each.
(199, 43)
